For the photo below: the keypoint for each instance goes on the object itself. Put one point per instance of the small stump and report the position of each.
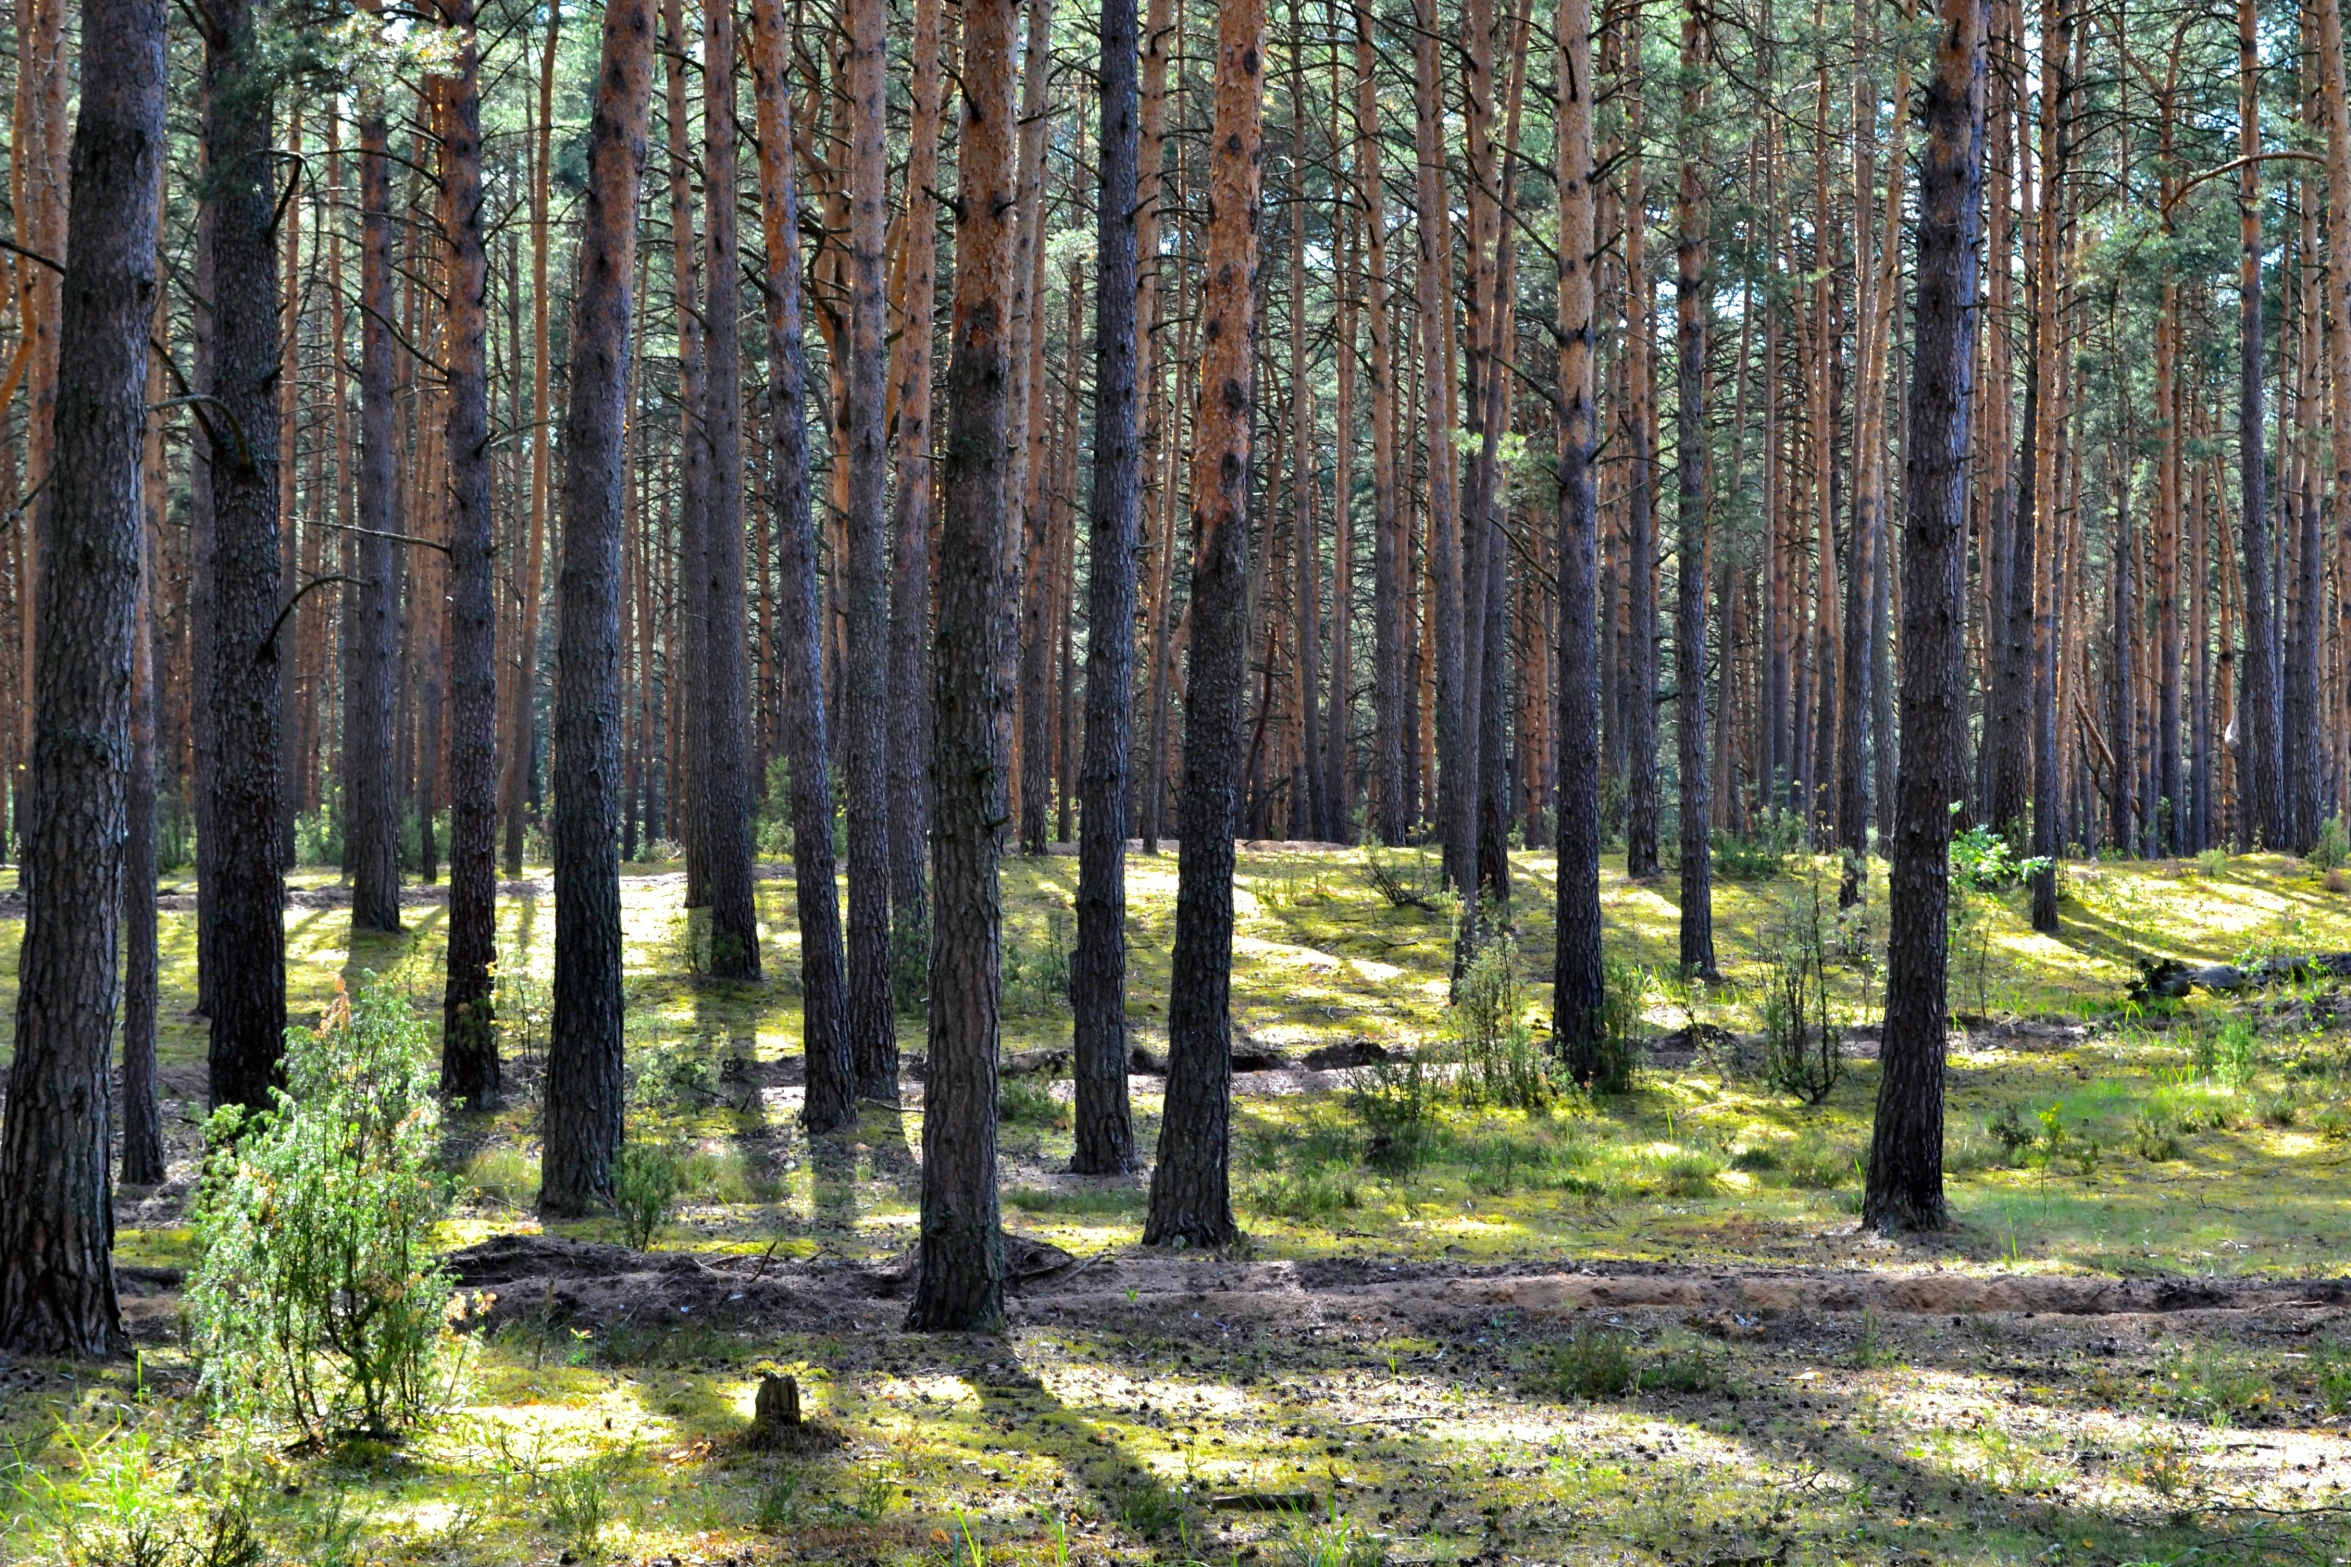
(777, 1423)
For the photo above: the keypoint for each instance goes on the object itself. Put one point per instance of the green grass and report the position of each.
(2209, 1140)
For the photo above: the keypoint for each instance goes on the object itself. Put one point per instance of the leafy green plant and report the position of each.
(1592, 1363)
(1036, 973)
(1494, 1046)
(2155, 1134)
(2009, 1131)
(2333, 849)
(1803, 1048)
(1761, 855)
(317, 1297)
(579, 1501)
(2225, 1054)
(645, 1183)
(1616, 1054)
(1689, 1173)
(1396, 1099)
(1302, 1194)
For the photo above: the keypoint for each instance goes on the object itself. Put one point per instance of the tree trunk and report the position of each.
(526, 678)
(2040, 592)
(584, 1084)
(910, 583)
(2261, 736)
(1578, 989)
(469, 1039)
(1191, 1197)
(248, 993)
(1097, 983)
(960, 1283)
(1692, 304)
(1391, 821)
(1637, 675)
(726, 791)
(865, 587)
(1905, 1182)
(142, 1114)
(689, 641)
(57, 1293)
(371, 833)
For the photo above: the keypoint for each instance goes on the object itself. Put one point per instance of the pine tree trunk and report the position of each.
(248, 904)
(960, 1282)
(873, 1040)
(371, 834)
(1391, 821)
(526, 680)
(584, 1084)
(910, 584)
(1578, 990)
(1191, 1195)
(1105, 1142)
(2262, 821)
(690, 642)
(1691, 309)
(1904, 1190)
(726, 798)
(142, 1114)
(469, 1039)
(57, 1293)
(1637, 669)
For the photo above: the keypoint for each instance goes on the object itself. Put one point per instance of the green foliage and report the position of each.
(1396, 1101)
(2333, 849)
(1403, 878)
(1025, 1100)
(1803, 1048)
(771, 821)
(2224, 1054)
(1624, 988)
(2212, 864)
(2155, 1134)
(910, 965)
(318, 836)
(1036, 973)
(1593, 1363)
(1982, 860)
(579, 1501)
(1335, 1541)
(316, 1298)
(1494, 1045)
(645, 1183)
(1762, 855)
(1303, 1195)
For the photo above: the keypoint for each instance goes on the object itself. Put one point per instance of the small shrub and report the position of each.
(1685, 1364)
(1606, 1065)
(1305, 1195)
(1499, 1061)
(2155, 1135)
(2007, 1128)
(782, 1503)
(1025, 1101)
(1335, 1542)
(1814, 1164)
(2333, 849)
(1803, 1049)
(1762, 855)
(645, 1182)
(1870, 1349)
(1592, 1363)
(317, 1298)
(1500, 1165)
(1757, 1159)
(2279, 1110)
(1036, 974)
(579, 1502)
(2333, 1122)
(1689, 1174)
(2212, 864)
(2225, 1054)
(1395, 1099)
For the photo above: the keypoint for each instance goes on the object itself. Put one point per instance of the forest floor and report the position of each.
(1641, 1328)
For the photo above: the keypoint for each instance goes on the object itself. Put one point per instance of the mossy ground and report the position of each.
(1339, 1369)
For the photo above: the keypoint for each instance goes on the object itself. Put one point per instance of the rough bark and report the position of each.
(1637, 676)
(1191, 1195)
(1904, 1190)
(831, 1097)
(1390, 820)
(689, 642)
(1097, 982)
(469, 1039)
(371, 841)
(142, 1113)
(57, 1294)
(248, 904)
(734, 914)
(1691, 309)
(1455, 746)
(910, 561)
(2262, 819)
(865, 587)
(584, 1087)
(1577, 984)
(517, 784)
(960, 1283)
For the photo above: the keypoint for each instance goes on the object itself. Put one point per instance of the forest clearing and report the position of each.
(1636, 1327)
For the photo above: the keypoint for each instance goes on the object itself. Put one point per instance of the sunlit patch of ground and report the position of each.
(1326, 1399)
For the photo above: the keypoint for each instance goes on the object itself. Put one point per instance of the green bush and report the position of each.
(1803, 1049)
(1036, 974)
(1593, 1363)
(645, 1182)
(2333, 849)
(1761, 855)
(1616, 1055)
(316, 1297)
(1499, 1060)
(1024, 1099)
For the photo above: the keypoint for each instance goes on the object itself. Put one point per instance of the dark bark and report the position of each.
(1455, 745)
(1191, 1191)
(1689, 622)
(726, 788)
(371, 832)
(1577, 981)
(1097, 982)
(873, 1036)
(831, 1098)
(469, 1039)
(689, 642)
(57, 1294)
(248, 905)
(2122, 787)
(584, 1087)
(142, 1114)
(1904, 1190)
(910, 559)
(2261, 723)
(960, 1284)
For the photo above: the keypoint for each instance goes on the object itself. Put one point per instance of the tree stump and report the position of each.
(777, 1410)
